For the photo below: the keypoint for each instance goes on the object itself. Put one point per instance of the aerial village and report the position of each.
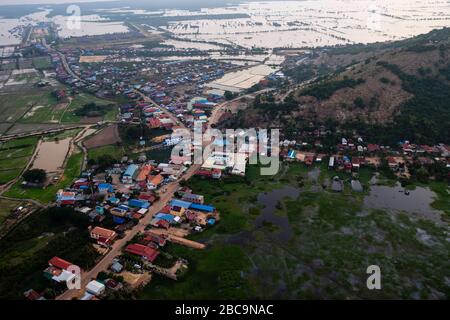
(130, 194)
(137, 195)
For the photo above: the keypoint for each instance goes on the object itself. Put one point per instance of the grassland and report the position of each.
(47, 195)
(14, 106)
(79, 101)
(332, 239)
(41, 106)
(6, 206)
(42, 63)
(14, 156)
(113, 150)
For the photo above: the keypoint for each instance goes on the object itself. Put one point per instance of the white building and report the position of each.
(96, 288)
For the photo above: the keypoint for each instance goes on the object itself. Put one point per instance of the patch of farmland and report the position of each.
(107, 136)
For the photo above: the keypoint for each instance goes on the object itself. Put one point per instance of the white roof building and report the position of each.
(96, 288)
(64, 276)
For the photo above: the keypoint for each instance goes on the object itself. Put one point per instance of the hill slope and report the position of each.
(390, 91)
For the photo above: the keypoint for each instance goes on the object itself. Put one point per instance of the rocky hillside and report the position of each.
(397, 90)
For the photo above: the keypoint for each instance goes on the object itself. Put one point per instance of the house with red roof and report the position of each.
(59, 263)
(373, 148)
(57, 270)
(147, 253)
(154, 123)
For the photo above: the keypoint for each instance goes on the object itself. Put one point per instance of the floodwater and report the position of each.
(316, 23)
(274, 24)
(394, 198)
(91, 25)
(51, 155)
(11, 30)
(269, 201)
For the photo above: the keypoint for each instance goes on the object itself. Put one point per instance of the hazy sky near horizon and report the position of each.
(12, 2)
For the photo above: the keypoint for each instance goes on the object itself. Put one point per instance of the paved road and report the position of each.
(167, 112)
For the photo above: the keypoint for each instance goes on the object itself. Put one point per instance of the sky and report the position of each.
(10, 2)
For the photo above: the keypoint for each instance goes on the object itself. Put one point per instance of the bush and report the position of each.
(35, 175)
(359, 103)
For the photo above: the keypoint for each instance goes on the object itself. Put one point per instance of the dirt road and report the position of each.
(116, 249)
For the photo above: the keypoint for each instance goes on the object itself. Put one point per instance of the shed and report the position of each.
(117, 267)
(96, 288)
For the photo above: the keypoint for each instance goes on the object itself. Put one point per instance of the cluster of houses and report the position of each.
(114, 203)
(125, 192)
(188, 211)
(171, 83)
(64, 275)
(352, 156)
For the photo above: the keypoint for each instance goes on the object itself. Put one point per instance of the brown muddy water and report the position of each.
(51, 155)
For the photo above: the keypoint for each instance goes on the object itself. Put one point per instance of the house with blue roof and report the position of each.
(180, 203)
(165, 216)
(202, 207)
(291, 154)
(141, 204)
(131, 173)
(105, 188)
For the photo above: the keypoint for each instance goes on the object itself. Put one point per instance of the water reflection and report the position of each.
(269, 201)
(395, 198)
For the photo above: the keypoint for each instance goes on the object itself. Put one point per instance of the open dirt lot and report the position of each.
(109, 135)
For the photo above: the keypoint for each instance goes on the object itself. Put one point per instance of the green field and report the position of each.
(323, 252)
(48, 194)
(6, 206)
(113, 150)
(14, 106)
(14, 156)
(41, 106)
(42, 63)
(63, 134)
(79, 101)
(38, 107)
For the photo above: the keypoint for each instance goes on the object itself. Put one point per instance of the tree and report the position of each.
(359, 102)
(228, 95)
(35, 175)
(133, 132)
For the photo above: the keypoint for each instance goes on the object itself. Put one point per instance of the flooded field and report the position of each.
(11, 30)
(270, 201)
(316, 23)
(90, 26)
(51, 154)
(417, 201)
